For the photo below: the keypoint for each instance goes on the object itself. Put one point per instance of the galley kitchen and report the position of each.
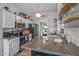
(39, 29)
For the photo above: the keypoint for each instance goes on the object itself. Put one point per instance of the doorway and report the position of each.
(43, 29)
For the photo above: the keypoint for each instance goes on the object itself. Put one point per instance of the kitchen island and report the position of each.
(51, 47)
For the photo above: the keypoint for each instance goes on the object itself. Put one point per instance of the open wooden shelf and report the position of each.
(71, 18)
(66, 8)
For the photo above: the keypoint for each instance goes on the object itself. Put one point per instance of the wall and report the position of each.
(74, 33)
(49, 18)
(73, 28)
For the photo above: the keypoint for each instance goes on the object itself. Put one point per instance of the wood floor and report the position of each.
(24, 52)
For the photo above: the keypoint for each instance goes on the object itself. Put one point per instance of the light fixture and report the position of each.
(38, 14)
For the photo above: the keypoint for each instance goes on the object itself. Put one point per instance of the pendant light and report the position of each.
(38, 14)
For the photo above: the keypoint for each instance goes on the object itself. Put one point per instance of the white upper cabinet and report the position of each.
(8, 20)
(1, 47)
(1, 19)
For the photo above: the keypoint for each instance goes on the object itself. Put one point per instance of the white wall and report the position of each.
(73, 28)
(74, 33)
(49, 18)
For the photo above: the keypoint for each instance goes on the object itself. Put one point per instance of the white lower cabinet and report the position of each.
(11, 47)
(1, 42)
(1, 48)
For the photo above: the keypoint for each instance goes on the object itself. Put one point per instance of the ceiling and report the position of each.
(35, 7)
(30, 9)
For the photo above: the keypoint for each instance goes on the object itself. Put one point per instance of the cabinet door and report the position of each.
(14, 46)
(0, 19)
(5, 47)
(1, 48)
(8, 20)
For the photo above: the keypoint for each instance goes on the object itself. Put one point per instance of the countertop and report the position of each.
(49, 46)
(12, 37)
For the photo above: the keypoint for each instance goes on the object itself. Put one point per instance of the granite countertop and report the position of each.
(49, 46)
(12, 37)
